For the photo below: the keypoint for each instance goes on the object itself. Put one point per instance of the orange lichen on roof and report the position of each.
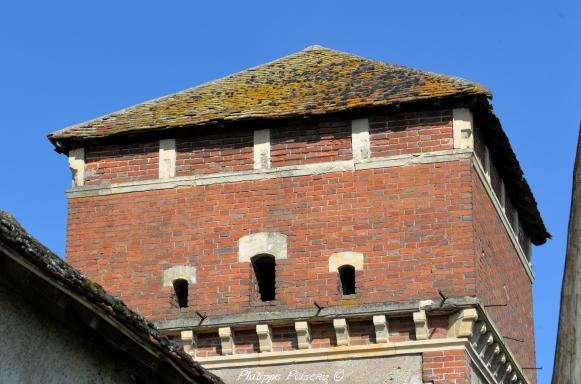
(314, 81)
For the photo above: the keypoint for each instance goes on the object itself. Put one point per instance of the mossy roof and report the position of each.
(313, 81)
(25, 246)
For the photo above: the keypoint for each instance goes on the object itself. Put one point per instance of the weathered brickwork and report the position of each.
(246, 341)
(323, 336)
(413, 224)
(501, 279)
(284, 339)
(208, 344)
(118, 163)
(214, 152)
(446, 367)
(438, 327)
(311, 142)
(401, 329)
(496, 182)
(410, 132)
(421, 228)
(361, 332)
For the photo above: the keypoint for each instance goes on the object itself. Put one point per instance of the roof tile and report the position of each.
(313, 81)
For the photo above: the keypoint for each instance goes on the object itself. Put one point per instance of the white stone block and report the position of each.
(167, 158)
(360, 142)
(463, 128)
(381, 329)
(188, 341)
(339, 259)
(462, 322)
(226, 340)
(261, 148)
(264, 337)
(185, 272)
(77, 166)
(341, 331)
(303, 334)
(421, 323)
(270, 243)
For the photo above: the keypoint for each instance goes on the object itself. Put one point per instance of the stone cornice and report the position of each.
(290, 316)
(470, 328)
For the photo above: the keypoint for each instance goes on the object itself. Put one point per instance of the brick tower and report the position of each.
(319, 217)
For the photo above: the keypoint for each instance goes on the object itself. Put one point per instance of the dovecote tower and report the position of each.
(321, 214)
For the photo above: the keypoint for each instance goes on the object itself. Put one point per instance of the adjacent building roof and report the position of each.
(83, 305)
(313, 81)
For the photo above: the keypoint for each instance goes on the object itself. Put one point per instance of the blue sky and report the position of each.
(62, 62)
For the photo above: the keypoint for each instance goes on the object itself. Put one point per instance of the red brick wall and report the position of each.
(310, 142)
(292, 143)
(323, 336)
(246, 341)
(438, 327)
(215, 152)
(402, 329)
(413, 225)
(410, 132)
(502, 279)
(208, 344)
(446, 367)
(117, 163)
(361, 332)
(284, 339)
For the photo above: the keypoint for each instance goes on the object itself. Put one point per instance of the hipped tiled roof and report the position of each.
(314, 81)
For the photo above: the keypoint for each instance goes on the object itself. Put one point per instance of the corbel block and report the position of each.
(188, 341)
(341, 331)
(485, 343)
(381, 329)
(462, 322)
(499, 364)
(303, 331)
(506, 372)
(264, 337)
(491, 354)
(421, 322)
(226, 340)
(479, 330)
